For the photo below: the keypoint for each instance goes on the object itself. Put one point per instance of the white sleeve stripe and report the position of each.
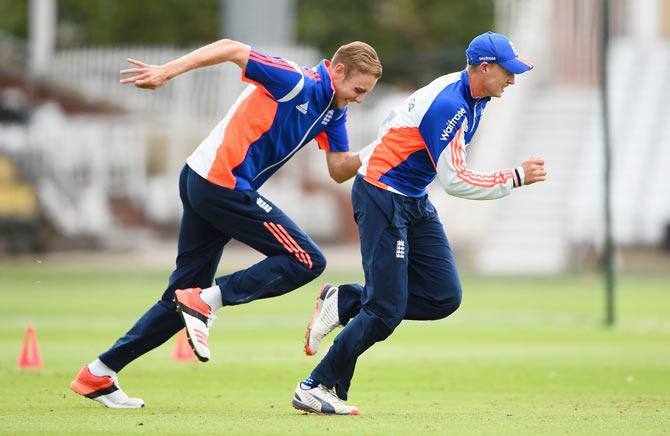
(297, 88)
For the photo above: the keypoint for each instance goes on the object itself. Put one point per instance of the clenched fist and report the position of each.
(533, 170)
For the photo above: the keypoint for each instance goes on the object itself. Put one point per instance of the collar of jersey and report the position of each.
(326, 82)
(466, 90)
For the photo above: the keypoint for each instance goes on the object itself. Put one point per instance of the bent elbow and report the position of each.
(226, 42)
(339, 178)
(451, 187)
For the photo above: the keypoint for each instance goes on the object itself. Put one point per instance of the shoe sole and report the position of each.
(110, 405)
(297, 405)
(188, 334)
(319, 303)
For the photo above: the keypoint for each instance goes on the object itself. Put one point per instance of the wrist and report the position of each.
(519, 177)
(170, 70)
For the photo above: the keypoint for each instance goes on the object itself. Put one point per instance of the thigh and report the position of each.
(252, 219)
(199, 247)
(434, 285)
(384, 251)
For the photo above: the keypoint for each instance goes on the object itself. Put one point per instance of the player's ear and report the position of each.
(340, 70)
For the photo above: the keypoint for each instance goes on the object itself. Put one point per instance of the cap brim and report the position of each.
(516, 65)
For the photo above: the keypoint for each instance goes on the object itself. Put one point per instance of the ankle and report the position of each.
(212, 296)
(99, 369)
(309, 383)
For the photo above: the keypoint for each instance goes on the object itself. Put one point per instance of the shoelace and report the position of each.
(332, 396)
(120, 392)
(121, 395)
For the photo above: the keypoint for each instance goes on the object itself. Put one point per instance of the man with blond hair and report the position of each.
(284, 107)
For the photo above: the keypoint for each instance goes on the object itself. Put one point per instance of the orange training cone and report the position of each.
(182, 350)
(30, 353)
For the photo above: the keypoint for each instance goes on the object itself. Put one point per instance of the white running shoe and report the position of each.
(105, 390)
(325, 319)
(320, 400)
(198, 318)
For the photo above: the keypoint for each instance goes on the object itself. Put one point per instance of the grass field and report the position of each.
(521, 356)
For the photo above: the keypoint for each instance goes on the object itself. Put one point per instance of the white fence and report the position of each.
(549, 112)
(88, 159)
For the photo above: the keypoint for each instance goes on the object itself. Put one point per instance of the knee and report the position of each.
(449, 306)
(310, 265)
(318, 263)
(382, 325)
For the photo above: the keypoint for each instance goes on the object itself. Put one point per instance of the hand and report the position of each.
(145, 76)
(533, 170)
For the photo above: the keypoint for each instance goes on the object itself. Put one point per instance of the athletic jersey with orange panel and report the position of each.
(427, 136)
(284, 107)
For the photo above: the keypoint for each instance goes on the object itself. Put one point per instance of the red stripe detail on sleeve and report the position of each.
(275, 65)
(312, 74)
(470, 177)
(266, 58)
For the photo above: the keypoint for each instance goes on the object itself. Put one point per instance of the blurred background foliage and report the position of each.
(417, 39)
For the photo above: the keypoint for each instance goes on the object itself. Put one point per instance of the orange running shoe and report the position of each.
(198, 318)
(105, 390)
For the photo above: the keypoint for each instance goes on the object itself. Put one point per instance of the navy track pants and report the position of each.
(410, 273)
(212, 216)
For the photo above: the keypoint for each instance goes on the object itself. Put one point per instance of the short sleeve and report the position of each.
(335, 137)
(278, 77)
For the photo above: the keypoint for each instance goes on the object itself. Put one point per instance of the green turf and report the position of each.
(521, 356)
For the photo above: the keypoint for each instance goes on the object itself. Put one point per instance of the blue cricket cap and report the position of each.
(496, 48)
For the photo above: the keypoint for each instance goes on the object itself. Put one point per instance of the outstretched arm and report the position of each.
(153, 76)
(342, 165)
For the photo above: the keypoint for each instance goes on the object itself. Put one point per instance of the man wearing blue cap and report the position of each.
(409, 267)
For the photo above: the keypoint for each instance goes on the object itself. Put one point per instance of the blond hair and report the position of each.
(359, 57)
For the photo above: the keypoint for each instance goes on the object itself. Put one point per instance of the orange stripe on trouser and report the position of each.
(299, 253)
(295, 244)
(292, 248)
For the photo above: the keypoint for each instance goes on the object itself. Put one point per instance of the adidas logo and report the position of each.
(303, 107)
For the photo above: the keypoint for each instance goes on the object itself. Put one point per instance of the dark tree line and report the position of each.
(416, 39)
